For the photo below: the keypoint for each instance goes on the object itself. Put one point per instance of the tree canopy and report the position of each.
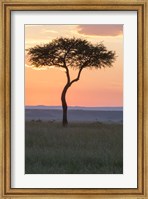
(71, 52)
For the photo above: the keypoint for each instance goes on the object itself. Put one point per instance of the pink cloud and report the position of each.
(101, 29)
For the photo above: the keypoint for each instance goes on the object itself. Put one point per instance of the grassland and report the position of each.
(81, 148)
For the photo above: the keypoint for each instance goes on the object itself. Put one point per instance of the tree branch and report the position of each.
(78, 77)
(79, 73)
(68, 76)
(67, 72)
(68, 50)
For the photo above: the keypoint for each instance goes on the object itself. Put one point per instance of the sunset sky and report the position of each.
(102, 87)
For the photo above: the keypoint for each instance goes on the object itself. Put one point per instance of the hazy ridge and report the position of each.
(76, 108)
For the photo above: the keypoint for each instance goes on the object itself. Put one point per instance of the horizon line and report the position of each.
(78, 106)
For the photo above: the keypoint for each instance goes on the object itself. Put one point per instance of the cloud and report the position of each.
(50, 31)
(40, 67)
(101, 29)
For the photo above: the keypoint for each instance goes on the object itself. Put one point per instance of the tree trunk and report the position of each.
(64, 105)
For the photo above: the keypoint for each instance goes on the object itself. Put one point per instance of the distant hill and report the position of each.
(76, 108)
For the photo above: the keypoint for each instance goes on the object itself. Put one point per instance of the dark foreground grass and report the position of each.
(80, 148)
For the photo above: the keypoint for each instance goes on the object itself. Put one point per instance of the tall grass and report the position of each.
(81, 148)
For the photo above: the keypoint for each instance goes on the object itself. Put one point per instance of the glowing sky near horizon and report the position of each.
(102, 87)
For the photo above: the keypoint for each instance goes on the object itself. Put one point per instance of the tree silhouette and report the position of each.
(70, 52)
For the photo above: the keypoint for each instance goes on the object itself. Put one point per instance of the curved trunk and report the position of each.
(63, 96)
(64, 105)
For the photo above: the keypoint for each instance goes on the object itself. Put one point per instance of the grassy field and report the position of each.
(81, 148)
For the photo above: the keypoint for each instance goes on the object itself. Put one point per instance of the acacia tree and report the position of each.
(71, 52)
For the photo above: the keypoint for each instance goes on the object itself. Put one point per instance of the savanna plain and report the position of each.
(80, 148)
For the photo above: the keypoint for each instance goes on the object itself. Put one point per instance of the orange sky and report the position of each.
(102, 87)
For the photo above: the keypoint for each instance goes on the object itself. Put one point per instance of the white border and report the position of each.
(126, 180)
